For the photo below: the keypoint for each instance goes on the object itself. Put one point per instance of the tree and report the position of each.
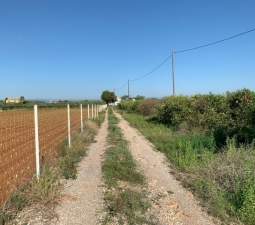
(108, 97)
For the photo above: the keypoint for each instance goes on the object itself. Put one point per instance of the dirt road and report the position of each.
(83, 198)
(172, 204)
(83, 202)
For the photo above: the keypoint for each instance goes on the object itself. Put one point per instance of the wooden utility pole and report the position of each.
(128, 90)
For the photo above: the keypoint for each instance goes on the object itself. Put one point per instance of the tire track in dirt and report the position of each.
(171, 203)
(83, 198)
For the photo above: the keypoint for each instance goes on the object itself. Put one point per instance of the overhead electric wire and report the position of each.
(187, 50)
(146, 74)
(152, 71)
(215, 42)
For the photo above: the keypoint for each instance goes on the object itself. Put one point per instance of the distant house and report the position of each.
(118, 101)
(19, 100)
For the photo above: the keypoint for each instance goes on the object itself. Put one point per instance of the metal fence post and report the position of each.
(69, 125)
(37, 145)
(81, 119)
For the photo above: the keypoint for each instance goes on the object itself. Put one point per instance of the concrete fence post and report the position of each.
(82, 125)
(69, 125)
(37, 145)
(88, 113)
(92, 111)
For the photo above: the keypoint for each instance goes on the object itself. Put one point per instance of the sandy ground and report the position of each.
(171, 203)
(83, 198)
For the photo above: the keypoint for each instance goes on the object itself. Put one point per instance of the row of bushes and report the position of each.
(144, 107)
(229, 115)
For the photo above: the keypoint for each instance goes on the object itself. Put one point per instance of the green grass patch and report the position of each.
(186, 151)
(125, 198)
(70, 157)
(223, 181)
(100, 119)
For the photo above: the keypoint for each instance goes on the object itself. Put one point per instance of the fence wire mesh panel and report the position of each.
(17, 143)
(75, 120)
(17, 157)
(52, 132)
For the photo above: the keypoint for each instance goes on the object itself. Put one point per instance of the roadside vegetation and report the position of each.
(125, 197)
(45, 193)
(100, 119)
(209, 139)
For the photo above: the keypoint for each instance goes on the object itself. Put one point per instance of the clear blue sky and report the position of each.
(74, 49)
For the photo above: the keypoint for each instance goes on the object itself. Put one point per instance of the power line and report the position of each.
(184, 51)
(153, 70)
(146, 74)
(215, 42)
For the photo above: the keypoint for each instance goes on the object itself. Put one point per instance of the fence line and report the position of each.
(31, 138)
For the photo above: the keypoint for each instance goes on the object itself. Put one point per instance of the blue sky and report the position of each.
(75, 49)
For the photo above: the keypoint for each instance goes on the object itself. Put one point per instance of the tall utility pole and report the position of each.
(128, 90)
(173, 71)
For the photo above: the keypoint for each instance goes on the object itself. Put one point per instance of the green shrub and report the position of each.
(208, 111)
(230, 115)
(148, 107)
(174, 110)
(129, 105)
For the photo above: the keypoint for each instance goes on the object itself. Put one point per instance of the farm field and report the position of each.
(206, 180)
(127, 112)
(17, 143)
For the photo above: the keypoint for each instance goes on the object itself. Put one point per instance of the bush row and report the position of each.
(229, 115)
(146, 107)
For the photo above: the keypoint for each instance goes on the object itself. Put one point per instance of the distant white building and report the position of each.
(14, 100)
(117, 102)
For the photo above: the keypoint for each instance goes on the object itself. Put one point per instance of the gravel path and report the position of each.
(83, 198)
(172, 204)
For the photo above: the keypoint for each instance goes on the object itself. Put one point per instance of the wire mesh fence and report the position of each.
(17, 142)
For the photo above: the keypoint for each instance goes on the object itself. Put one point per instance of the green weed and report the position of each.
(125, 199)
(224, 180)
